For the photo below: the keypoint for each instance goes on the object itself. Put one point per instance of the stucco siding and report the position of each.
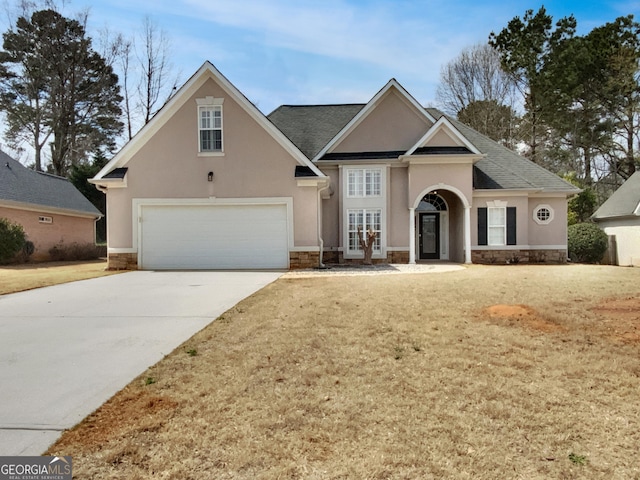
(392, 125)
(398, 217)
(253, 165)
(423, 176)
(554, 233)
(63, 229)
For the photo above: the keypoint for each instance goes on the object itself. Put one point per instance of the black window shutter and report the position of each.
(482, 226)
(511, 225)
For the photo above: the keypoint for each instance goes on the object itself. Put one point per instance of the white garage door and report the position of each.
(214, 237)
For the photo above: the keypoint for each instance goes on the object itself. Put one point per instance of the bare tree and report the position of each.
(474, 76)
(157, 83)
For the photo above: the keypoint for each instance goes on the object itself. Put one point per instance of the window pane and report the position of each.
(496, 235)
(372, 182)
(355, 183)
(497, 216)
(206, 140)
(205, 118)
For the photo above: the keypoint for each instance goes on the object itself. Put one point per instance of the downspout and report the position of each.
(320, 239)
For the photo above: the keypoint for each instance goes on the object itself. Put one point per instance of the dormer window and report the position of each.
(210, 138)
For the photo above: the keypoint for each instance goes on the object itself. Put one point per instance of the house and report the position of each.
(619, 217)
(50, 209)
(212, 183)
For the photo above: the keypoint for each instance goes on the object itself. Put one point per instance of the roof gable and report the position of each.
(624, 202)
(443, 129)
(205, 72)
(23, 187)
(384, 95)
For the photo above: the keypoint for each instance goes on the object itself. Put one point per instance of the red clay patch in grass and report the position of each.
(620, 318)
(521, 315)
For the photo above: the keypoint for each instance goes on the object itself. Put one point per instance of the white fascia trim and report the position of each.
(441, 124)
(367, 109)
(305, 249)
(312, 181)
(121, 250)
(109, 182)
(45, 209)
(206, 71)
(543, 194)
(519, 247)
(637, 210)
(501, 193)
(441, 159)
(138, 204)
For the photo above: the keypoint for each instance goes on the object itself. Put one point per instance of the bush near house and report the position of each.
(12, 240)
(586, 243)
(76, 251)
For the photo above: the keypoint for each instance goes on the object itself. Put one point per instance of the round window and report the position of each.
(543, 214)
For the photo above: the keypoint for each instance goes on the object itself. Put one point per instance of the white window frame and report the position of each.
(495, 223)
(213, 105)
(45, 219)
(538, 209)
(352, 229)
(364, 182)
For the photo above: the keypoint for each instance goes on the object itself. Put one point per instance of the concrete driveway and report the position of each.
(66, 349)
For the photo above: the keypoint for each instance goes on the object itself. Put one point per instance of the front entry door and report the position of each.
(429, 236)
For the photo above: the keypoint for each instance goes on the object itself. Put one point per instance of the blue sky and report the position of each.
(329, 51)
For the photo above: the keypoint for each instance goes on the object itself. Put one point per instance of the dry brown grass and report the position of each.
(17, 278)
(493, 372)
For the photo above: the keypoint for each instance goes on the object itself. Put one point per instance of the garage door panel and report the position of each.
(214, 236)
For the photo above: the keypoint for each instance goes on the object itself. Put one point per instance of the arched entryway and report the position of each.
(440, 226)
(432, 216)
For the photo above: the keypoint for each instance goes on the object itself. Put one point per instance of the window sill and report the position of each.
(211, 154)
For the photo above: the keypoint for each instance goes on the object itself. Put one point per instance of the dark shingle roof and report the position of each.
(624, 202)
(302, 171)
(22, 185)
(505, 169)
(311, 127)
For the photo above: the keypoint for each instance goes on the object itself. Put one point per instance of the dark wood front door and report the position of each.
(429, 236)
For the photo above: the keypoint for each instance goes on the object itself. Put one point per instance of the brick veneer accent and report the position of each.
(122, 261)
(303, 259)
(518, 256)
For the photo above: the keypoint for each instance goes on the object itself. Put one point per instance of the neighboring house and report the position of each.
(619, 217)
(211, 182)
(50, 209)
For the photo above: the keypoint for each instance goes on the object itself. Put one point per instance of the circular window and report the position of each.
(543, 214)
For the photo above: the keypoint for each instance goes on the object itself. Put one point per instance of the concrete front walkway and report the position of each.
(66, 349)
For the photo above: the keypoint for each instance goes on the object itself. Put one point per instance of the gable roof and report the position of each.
(443, 123)
(205, 72)
(23, 187)
(369, 107)
(504, 169)
(625, 201)
(312, 127)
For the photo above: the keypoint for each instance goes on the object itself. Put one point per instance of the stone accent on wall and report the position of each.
(518, 256)
(303, 260)
(338, 258)
(122, 261)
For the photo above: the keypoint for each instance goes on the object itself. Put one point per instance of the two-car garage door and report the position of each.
(217, 236)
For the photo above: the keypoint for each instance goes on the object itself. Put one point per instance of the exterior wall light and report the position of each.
(210, 176)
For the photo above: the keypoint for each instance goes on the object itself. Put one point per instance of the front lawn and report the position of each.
(26, 276)
(490, 372)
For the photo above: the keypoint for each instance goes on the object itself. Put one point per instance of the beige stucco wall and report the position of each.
(253, 165)
(555, 233)
(627, 233)
(64, 229)
(422, 176)
(398, 209)
(392, 125)
(331, 212)
(522, 216)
